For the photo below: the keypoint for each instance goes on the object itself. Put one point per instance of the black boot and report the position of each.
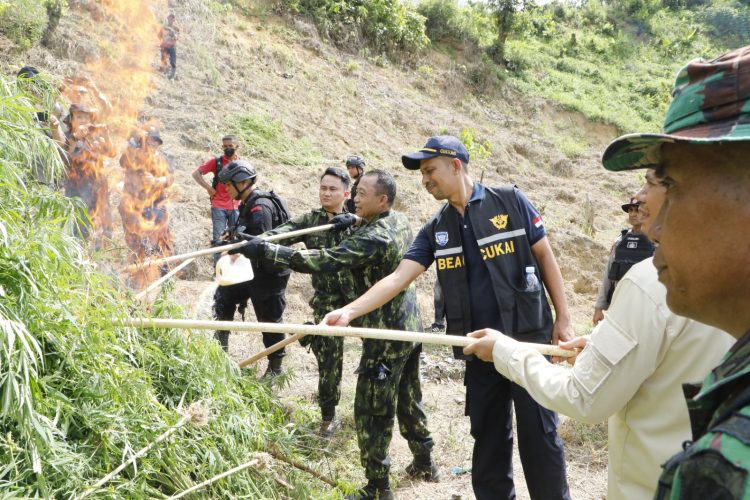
(423, 468)
(376, 489)
(274, 367)
(223, 337)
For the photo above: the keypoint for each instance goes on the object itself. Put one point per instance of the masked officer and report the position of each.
(631, 247)
(491, 251)
(267, 289)
(332, 289)
(224, 209)
(388, 373)
(703, 258)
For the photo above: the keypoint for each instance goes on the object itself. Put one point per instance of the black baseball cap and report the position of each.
(438, 145)
(633, 203)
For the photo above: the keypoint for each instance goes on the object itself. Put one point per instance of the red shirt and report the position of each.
(221, 199)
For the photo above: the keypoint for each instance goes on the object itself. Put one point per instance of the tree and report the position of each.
(504, 13)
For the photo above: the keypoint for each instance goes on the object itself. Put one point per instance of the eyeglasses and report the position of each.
(633, 208)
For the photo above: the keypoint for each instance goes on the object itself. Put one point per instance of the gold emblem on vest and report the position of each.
(500, 221)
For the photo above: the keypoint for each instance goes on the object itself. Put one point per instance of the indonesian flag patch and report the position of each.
(537, 221)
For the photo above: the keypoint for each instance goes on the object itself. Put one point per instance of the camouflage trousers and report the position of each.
(329, 353)
(392, 388)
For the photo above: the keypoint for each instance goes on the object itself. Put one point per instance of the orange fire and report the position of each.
(143, 210)
(88, 144)
(107, 96)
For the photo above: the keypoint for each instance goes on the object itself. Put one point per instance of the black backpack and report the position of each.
(281, 212)
(215, 181)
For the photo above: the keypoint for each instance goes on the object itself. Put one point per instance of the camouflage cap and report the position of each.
(710, 103)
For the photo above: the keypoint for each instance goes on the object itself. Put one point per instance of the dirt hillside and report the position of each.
(335, 104)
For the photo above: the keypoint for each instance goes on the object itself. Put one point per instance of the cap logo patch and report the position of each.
(441, 238)
(500, 221)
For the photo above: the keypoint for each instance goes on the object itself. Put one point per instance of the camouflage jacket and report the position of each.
(332, 289)
(716, 465)
(371, 253)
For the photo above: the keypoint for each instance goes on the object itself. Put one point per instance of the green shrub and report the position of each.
(24, 22)
(385, 26)
(448, 22)
(478, 148)
(264, 137)
(728, 24)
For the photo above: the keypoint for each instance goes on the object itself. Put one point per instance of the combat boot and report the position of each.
(222, 336)
(329, 427)
(374, 491)
(423, 468)
(274, 367)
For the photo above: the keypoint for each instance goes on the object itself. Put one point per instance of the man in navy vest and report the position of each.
(492, 256)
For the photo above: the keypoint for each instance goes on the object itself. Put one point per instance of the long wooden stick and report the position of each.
(224, 474)
(265, 352)
(224, 248)
(275, 453)
(324, 330)
(164, 278)
(133, 458)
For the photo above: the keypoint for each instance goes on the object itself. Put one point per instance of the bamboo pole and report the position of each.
(233, 470)
(164, 278)
(265, 352)
(231, 246)
(275, 453)
(331, 331)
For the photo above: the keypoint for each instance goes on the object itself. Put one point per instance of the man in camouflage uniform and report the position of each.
(388, 373)
(332, 289)
(702, 160)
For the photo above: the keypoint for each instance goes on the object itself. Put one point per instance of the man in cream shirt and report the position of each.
(631, 370)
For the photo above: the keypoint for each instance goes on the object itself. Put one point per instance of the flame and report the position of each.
(110, 91)
(89, 145)
(145, 219)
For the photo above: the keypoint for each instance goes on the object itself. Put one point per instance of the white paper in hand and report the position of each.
(229, 272)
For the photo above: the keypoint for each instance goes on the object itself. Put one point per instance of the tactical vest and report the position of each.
(245, 219)
(500, 232)
(733, 420)
(633, 248)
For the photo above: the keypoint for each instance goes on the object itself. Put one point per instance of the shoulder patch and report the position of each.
(256, 208)
(441, 238)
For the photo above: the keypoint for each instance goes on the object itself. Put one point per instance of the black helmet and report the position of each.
(356, 161)
(237, 171)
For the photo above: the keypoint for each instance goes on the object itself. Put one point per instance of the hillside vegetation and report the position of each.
(303, 83)
(612, 61)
